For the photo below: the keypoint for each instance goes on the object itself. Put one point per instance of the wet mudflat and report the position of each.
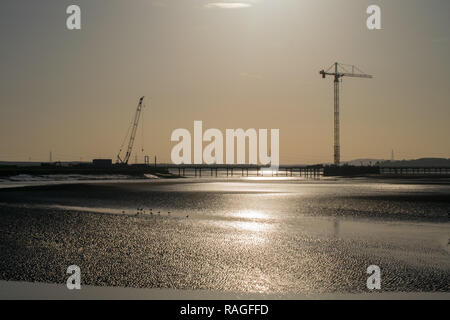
(241, 235)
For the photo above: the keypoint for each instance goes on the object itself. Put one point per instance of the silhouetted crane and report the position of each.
(134, 126)
(340, 70)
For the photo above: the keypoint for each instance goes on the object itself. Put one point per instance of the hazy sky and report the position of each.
(248, 65)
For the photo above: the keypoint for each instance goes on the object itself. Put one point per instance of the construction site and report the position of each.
(122, 165)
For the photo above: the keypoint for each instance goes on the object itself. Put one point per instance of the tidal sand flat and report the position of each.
(243, 235)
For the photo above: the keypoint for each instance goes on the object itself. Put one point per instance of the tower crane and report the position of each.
(339, 70)
(134, 126)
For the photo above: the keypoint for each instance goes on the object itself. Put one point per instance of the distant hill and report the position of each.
(363, 162)
(422, 162)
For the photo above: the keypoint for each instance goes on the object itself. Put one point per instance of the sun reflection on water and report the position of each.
(250, 214)
(250, 220)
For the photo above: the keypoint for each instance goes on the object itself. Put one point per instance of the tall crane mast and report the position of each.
(134, 126)
(339, 70)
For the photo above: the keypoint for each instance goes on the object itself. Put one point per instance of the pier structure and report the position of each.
(415, 171)
(244, 170)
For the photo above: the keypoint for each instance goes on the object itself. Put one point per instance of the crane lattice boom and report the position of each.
(134, 127)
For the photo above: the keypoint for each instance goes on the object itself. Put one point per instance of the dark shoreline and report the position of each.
(8, 171)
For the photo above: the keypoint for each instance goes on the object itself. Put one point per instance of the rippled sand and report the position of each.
(241, 236)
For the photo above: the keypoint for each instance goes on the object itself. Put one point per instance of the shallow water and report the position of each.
(249, 234)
